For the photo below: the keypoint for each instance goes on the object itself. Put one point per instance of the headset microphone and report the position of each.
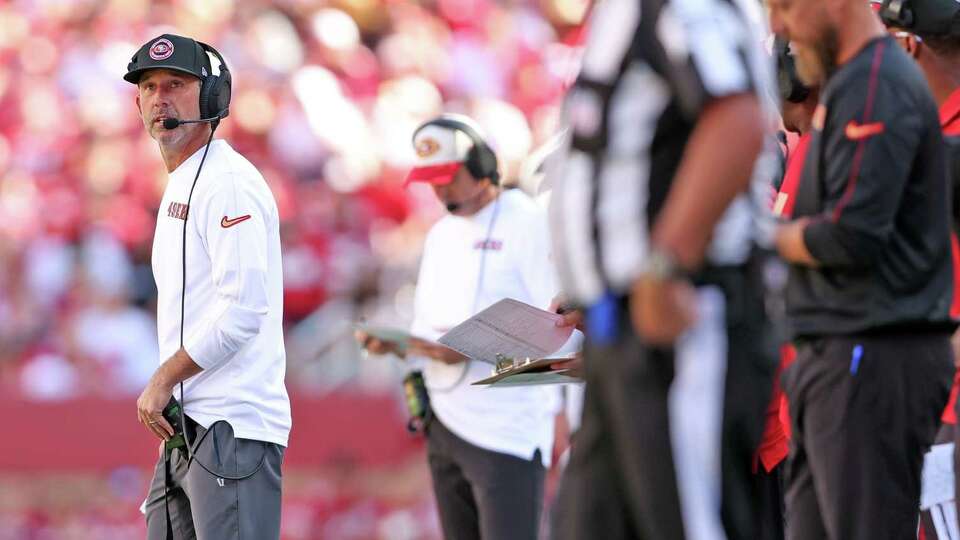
(174, 123)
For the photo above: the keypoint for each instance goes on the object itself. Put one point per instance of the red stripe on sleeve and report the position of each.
(858, 156)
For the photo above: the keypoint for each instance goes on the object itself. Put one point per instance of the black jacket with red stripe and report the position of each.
(875, 188)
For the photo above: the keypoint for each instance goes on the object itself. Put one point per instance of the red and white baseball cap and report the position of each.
(441, 151)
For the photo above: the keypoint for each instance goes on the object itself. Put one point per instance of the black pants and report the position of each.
(770, 511)
(665, 448)
(483, 494)
(864, 411)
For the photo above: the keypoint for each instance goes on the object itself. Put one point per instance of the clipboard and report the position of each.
(528, 372)
(508, 329)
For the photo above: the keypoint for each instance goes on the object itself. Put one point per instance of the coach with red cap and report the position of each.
(487, 448)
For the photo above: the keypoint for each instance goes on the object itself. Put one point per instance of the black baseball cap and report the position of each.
(922, 17)
(169, 51)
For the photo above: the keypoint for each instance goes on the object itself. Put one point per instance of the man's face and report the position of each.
(807, 24)
(163, 93)
(462, 190)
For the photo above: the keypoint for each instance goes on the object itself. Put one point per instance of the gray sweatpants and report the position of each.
(206, 501)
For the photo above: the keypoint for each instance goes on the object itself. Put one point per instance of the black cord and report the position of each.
(218, 474)
(476, 294)
(191, 456)
(183, 297)
(183, 282)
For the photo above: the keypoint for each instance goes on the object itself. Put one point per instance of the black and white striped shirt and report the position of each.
(649, 68)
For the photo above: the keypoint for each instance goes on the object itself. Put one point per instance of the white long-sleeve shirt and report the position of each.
(234, 293)
(515, 261)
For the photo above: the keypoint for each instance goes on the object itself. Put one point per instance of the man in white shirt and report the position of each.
(216, 261)
(487, 448)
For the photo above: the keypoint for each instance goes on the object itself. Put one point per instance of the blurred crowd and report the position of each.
(326, 96)
(338, 501)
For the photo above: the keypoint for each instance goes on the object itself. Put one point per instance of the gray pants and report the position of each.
(483, 494)
(205, 500)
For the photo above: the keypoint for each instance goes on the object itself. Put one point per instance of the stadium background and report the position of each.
(326, 96)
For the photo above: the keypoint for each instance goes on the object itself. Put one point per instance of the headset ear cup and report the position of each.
(474, 165)
(207, 91)
(215, 90)
(224, 91)
(488, 162)
(482, 163)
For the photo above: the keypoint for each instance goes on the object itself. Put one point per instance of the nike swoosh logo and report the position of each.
(226, 223)
(858, 132)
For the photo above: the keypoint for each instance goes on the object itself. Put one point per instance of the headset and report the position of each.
(791, 87)
(481, 160)
(921, 18)
(215, 90)
(897, 13)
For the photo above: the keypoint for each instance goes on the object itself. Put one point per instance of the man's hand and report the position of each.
(156, 395)
(662, 309)
(573, 368)
(790, 244)
(376, 346)
(150, 406)
(571, 317)
(436, 351)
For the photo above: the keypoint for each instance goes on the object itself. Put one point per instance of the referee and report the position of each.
(216, 260)
(869, 289)
(652, 222)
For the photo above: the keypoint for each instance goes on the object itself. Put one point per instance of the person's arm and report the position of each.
(715, 73)
(233, 228)
(789, 243)
(425, 302)
(869, 149)
(232, 225)
(716, 167)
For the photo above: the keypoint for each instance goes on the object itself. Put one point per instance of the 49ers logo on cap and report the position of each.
(161, 49)
(427, 147)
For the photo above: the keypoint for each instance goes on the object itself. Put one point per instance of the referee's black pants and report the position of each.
(668, 437)
(864, 410)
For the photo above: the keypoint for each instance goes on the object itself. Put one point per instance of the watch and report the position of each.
(661, 265)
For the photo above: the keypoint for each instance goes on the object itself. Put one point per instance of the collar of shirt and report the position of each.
(950, 114)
